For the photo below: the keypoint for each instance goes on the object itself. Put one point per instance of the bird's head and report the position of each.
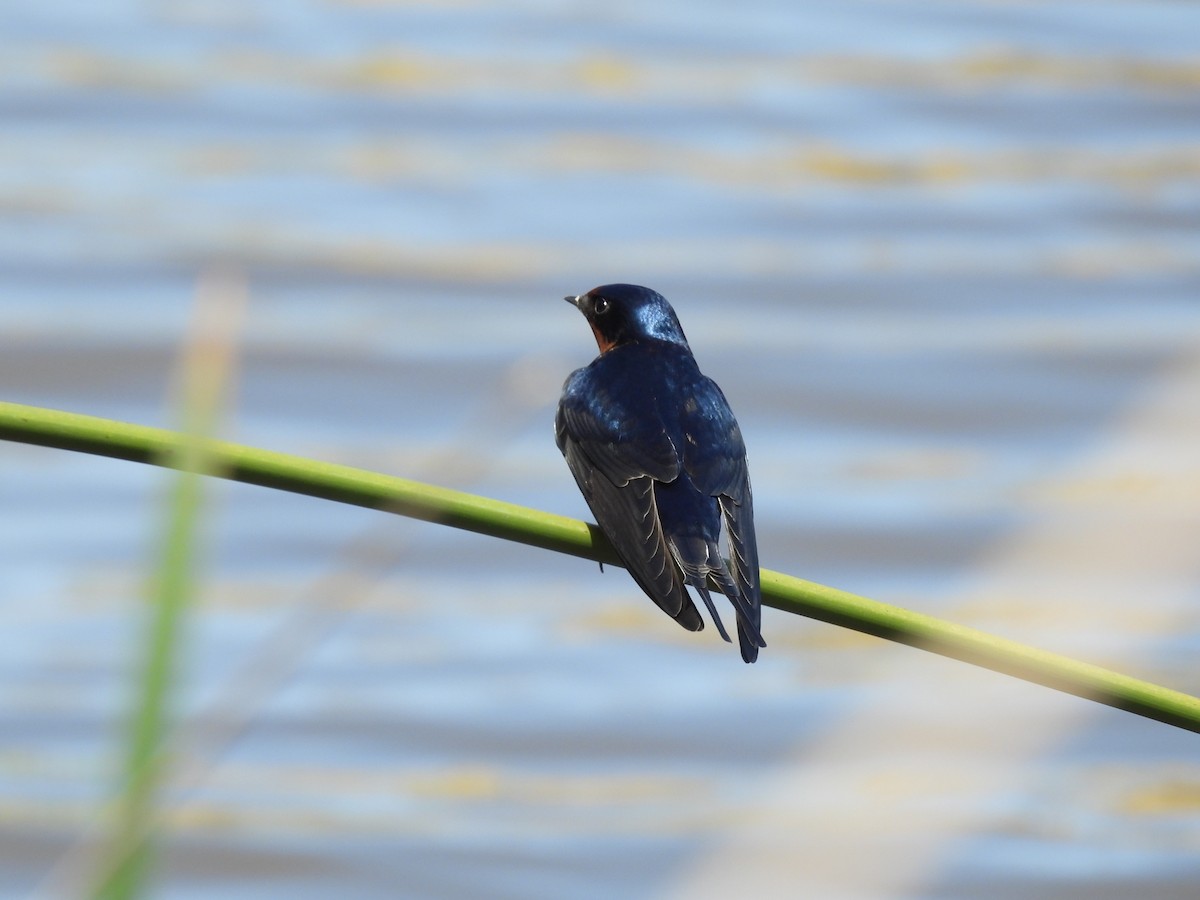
(623, 313)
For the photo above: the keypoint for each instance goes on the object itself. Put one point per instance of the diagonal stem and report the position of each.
(87, 434)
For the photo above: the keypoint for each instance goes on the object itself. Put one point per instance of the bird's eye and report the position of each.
(601, 306)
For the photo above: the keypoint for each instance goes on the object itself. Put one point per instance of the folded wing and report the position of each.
(616, 476)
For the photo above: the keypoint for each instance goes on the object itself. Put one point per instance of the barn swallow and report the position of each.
(660, 460)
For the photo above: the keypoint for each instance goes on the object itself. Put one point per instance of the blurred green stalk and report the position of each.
(122, 871)
(69, 431)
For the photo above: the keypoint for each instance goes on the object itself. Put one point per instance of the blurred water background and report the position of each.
(942, 257)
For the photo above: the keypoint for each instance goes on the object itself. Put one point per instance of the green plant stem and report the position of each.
(131, 853)
(69, 431)
(126, 868)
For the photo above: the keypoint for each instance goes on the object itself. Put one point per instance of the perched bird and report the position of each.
(660, 460)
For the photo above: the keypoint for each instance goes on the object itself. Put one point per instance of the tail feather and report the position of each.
(698, 584)
(699, 558)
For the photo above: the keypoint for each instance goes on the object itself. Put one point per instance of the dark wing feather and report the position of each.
(616, 479)
(718, 467)
(597, 423)
(743, 565)
(714, 452)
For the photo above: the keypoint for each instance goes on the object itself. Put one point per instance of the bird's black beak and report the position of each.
(574, 300)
